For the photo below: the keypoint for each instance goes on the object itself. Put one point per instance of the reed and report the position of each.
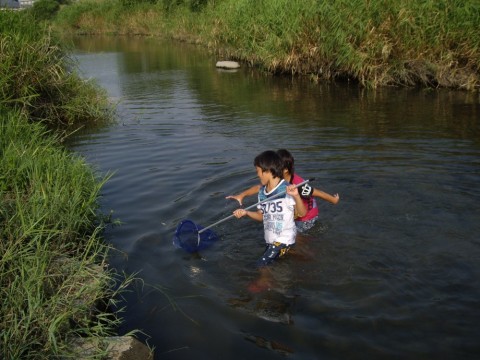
(111, 17)
(54, 282)
(52, 263)
(430, 43)
(38, 78)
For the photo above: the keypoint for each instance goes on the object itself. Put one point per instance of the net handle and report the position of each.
(254, 205)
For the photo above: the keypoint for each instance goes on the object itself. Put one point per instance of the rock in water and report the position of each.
(227, 64)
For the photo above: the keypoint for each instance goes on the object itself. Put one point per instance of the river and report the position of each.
(390, 272)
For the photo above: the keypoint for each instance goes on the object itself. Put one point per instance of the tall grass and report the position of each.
(59, 191)
(38, 78)
(111, 17)
(52, 259)
(431, 42)
(54, 284)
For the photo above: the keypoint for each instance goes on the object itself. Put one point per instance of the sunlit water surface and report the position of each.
(392, 271)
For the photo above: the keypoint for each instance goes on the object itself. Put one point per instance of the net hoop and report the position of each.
(188, 238)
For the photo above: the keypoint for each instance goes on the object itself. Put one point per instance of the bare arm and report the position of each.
(292, 190)
(250, 191)
(300, 208)
(255, 215)
(334, 199)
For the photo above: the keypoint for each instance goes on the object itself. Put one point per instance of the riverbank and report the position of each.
(383, 43)
(55, 280)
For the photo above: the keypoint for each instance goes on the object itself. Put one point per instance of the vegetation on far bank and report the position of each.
(431, 43)
(54, 282)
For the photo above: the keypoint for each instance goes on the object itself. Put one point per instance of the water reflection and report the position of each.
(156, 67)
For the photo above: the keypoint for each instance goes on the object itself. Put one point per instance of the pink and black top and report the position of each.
(310, 204)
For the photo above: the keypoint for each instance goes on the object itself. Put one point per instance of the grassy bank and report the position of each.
(433, 43)
(53, 280)
(39, 79)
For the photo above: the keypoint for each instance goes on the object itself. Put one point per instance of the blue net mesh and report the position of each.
(187, 237)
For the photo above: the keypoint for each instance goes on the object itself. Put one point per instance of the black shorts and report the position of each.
(273, 251)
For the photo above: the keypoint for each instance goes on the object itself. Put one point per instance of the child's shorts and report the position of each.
(273, 251)
(303, 226)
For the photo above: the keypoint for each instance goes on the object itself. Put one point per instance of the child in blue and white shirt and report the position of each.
(278, 214)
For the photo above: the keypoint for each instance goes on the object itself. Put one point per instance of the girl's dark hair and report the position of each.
(270, 161)
(287, 160)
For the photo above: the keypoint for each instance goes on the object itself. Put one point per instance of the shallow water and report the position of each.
(392, 271)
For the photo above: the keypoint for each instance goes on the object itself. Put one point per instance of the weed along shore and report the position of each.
(58, 291)
(431, 44)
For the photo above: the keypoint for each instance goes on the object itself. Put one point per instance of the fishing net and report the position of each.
(192, 237)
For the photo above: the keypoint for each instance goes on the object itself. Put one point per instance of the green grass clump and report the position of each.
(60, 190)
(38, 78)
(52, 259)
(111, 17)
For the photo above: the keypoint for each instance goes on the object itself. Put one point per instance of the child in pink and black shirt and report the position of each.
(307, 193)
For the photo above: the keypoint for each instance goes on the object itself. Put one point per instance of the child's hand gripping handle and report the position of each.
(258, 203)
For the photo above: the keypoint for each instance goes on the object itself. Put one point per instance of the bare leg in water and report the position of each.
(264, 282)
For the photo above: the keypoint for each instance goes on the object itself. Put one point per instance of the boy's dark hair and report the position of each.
(287, 159)
(270, 161)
